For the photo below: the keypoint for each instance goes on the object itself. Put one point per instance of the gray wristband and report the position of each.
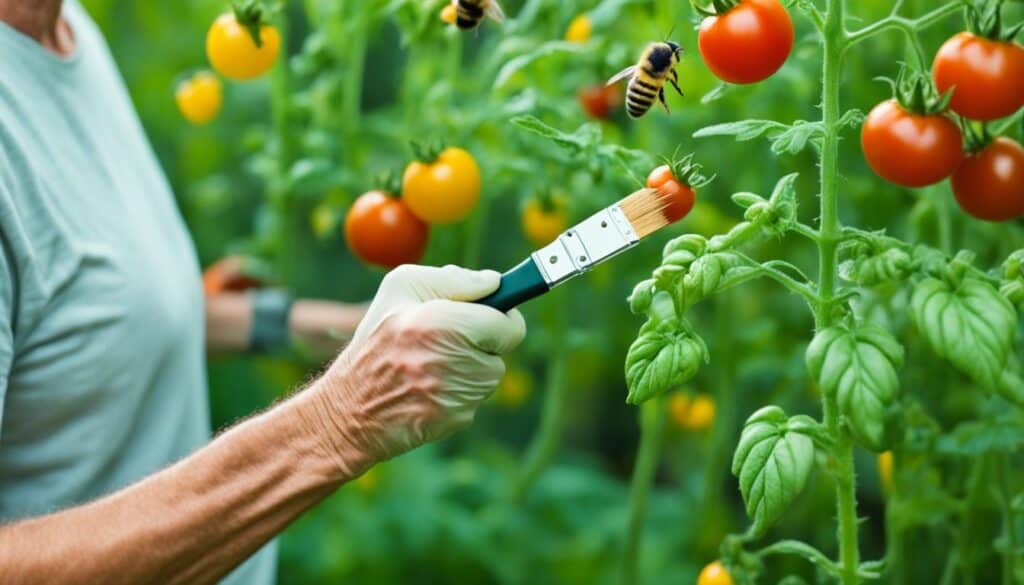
(270, 311)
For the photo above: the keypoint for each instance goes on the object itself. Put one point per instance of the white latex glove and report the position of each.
(418, 366)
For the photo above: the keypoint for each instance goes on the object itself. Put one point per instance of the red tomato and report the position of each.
(987, 76)
(990, 183)
(380, 229)
(228, 275)
(599, 101)
(680, 197)
(909, 149)
(748, 43)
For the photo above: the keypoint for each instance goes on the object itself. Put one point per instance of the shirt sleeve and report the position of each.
(8, 291)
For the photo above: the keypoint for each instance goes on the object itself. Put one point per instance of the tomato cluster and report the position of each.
(389, 231)
(980, 79)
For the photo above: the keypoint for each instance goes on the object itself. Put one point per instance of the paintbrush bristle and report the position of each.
(645, 211)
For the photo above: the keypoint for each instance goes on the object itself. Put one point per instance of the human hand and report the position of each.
(420, 363)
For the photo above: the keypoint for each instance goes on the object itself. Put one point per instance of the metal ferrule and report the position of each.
(586, 244)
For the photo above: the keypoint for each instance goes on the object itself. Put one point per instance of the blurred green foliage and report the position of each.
(444, 514)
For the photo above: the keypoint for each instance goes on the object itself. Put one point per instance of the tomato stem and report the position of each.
(544, 445)
(652, 431)
(830, 233)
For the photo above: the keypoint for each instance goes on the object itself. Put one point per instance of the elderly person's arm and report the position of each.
(416, 370)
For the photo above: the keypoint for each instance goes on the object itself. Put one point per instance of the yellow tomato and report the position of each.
(234, 54)
(715, 574)
(514, 389)
(692, 414)
(679, 407)
(199, 97)
(541, 224)
(448, 14)
(445, 190)
(885, 469)
(579, 29)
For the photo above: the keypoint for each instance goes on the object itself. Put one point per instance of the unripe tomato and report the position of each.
(909, 149)
(232, 52)
(380, 229)
(885, 469)
(542, 225)
(990, 183)
(987, 76)
(579, 29)
(599, 101)
(199, 97)
(748, 43)
(449, 14)
(514, 389)
(715, 574)
(680, 197)
(445, 190)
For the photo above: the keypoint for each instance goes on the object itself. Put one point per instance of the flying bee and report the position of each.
(647, 78)
(470, 13)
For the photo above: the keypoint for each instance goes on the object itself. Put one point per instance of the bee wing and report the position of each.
(627, 72)
(494, 11)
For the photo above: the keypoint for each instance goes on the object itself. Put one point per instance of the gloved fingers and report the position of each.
(482, 327)
(423, 283)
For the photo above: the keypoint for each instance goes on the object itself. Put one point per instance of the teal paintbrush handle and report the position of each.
(518, 285)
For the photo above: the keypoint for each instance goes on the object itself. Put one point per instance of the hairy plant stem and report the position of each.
(280, 106)
(354, 41)
(830, 231)
(544, 445)
(652, 430)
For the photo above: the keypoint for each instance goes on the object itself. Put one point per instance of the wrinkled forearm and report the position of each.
(191, 523)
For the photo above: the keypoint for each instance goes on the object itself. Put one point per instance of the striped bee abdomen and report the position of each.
(468, 13)
(640, 96)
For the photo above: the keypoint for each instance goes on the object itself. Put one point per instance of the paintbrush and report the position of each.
(605, 234)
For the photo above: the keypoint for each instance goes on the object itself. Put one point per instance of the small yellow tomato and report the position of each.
(234, 54)
(444, 190)
(679, 407)
(715, 574)
(885, 469)
(514, 389)
(579, 29)
(694, 414)
(701, 414)
(449, 14)
(543, 223)
(199, 97)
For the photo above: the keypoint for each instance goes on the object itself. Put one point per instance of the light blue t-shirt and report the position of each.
(102, 374)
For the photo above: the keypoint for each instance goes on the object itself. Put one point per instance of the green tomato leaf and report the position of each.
(858, 365)
(743, 130)
(667, 353)
(772, 462)
(517, 64)
(975, 438)
(971, 325)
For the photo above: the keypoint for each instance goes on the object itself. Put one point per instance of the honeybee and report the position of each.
(647, 78)
(470, 13)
